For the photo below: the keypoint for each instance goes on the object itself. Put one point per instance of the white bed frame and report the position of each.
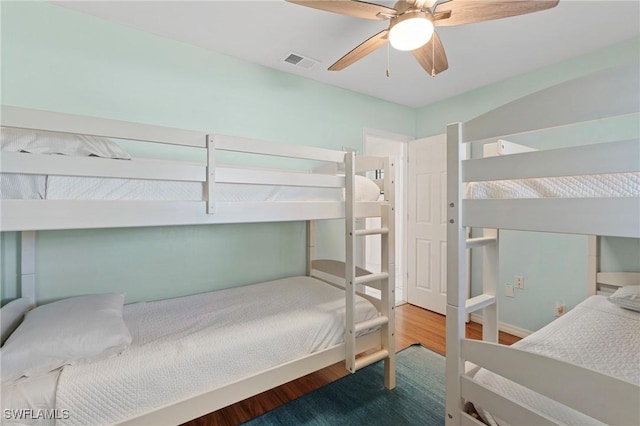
(30, 216)
(576, 101)
(20, 215)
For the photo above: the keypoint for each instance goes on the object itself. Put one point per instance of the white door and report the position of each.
(427, 229)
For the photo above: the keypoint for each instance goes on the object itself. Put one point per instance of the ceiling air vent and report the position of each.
(300, 61)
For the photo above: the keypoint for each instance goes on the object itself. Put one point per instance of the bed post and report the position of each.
(593, 255)
(350, 267)
(311, 245)
(388, 261)
(456, 275)
(211, 174)
(28, 266)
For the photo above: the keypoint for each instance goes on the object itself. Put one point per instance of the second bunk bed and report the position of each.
(170, 361)
(584, 367)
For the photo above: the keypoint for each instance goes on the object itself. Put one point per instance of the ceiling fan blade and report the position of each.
(431, 56)
(361, 51)
(469, 11)
(358, 9)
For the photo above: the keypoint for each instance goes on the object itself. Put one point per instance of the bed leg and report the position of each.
(28, 266)
(593, 253)
(311, 245)
(454, 364)
(210, 183)
(390, 372)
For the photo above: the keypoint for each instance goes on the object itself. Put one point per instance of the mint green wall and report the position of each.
(554, 265)
(60, 60)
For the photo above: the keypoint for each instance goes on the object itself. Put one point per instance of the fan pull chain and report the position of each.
(388, 60)
(433, 59)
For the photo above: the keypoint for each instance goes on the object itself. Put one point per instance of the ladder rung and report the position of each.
(371, 277)
(479, 302)
(370, 359)
(374, 322)
(372, 231)
(481, 241)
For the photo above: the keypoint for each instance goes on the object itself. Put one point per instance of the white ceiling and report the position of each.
(265, 31)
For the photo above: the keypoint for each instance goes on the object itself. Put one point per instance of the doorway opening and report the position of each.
(387, 144)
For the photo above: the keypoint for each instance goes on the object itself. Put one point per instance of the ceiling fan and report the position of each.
(412, 23)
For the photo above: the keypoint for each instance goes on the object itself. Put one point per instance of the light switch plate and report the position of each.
(508, 291)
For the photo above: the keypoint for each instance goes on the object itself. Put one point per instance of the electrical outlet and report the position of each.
(561, 308)
(508, 290)
(520, 282)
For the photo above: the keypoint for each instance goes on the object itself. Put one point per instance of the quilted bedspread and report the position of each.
(186, 346)
(595, 334)
(588, 186)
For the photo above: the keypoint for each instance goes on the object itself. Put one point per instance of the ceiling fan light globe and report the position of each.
(410, 31)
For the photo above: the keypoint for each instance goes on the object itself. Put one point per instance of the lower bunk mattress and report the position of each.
(596, 334)
(190, 345)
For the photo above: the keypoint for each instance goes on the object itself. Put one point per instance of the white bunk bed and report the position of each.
(571, 382)
(364, 337)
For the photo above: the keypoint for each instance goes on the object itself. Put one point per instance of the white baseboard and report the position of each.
(507, 328)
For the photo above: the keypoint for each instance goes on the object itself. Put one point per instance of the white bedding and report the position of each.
(34, 393)
(27, 187)
(595, 334)
(186, 346)
(21, 186)
(588, 186)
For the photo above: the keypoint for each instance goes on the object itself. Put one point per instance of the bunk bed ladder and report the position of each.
(385, 278)
(487, 301)
(458, 304)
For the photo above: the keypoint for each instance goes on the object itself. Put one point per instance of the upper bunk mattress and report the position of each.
(22, 186)
(597, 335)
(587, 186)
(186, 346)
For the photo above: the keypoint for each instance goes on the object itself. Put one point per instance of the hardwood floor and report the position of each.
(417, 325)
(413, 325)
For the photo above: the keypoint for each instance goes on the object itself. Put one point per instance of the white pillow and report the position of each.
(366, 189)
(11, 316)
(69, 331)
(627, 297)
(42, 142)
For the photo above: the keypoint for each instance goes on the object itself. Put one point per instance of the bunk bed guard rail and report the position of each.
(73, 214)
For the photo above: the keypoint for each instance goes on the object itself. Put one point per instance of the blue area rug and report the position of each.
(361, 399)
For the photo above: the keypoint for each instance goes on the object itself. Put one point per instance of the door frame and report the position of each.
(403, 139)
